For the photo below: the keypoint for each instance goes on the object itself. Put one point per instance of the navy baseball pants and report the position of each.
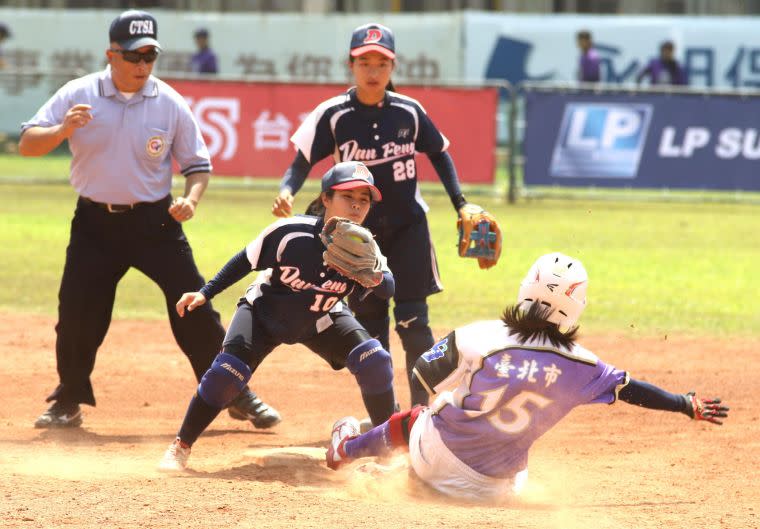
(102, 247)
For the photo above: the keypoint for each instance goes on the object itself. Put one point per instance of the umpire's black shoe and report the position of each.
(249, 407)
(60, 415)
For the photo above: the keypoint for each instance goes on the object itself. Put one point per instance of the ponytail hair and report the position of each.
(534, 324)
(316, 208)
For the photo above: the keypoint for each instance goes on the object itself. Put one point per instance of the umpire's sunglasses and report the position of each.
(135, 56)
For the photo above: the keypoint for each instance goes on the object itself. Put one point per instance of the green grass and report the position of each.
(47, 168)
(656, 268)
(54, 169)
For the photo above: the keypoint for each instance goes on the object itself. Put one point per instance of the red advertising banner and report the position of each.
(247, 126)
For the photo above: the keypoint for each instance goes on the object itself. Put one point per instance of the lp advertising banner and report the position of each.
(642, 140)
(247, 126)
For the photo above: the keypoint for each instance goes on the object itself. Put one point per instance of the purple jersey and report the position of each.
(588, 67)
(496, 396)
(664, 73)
(204, 61)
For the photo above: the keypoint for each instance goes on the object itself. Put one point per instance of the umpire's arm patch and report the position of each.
(436, 364)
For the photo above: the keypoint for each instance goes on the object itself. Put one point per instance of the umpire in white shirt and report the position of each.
(124, 126)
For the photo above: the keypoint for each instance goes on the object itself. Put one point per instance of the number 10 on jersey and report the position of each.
(323, 303)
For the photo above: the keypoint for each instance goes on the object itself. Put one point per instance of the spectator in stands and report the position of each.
(664, 70)
(5, 33)
(588, 64)
(204, 60)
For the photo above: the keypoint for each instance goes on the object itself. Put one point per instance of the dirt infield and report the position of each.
(601, 467)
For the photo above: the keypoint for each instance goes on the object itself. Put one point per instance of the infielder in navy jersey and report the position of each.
(296, 298)
(383, 129)
(502, 384)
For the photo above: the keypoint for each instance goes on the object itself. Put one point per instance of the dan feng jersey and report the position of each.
(295, 290)
(385, 137)
(496, 396)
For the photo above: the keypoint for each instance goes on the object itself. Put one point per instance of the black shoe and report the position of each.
(249, 407)
(60, 415)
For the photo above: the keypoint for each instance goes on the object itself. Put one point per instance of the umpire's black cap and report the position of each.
(5, 31)
(134, 29)
(349, 175)
(373, 37)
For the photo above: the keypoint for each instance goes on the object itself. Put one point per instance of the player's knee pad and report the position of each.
(224, 380)
(371, 365)
(413, 327)
(400, 425)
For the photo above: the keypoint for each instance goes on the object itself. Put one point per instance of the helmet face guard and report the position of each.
(559, 283)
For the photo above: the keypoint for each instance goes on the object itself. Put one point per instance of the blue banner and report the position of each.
(642, 140)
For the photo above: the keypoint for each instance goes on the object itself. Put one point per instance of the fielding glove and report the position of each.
(479, 235)
(352, 251)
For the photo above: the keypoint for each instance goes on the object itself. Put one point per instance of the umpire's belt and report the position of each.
(115, 208)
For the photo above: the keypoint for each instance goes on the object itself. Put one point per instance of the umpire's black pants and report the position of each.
(102, 247)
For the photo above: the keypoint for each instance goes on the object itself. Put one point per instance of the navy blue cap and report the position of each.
(350, 175)
(373, 37)
(201, 32)
(134, 29)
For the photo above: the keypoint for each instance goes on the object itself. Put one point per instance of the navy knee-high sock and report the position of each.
(417, 392)
(380, 406)
(199, 416)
